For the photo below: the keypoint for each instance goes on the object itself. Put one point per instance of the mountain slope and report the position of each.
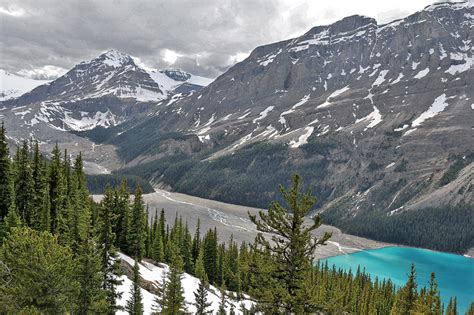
(13, 86)
(376, 117)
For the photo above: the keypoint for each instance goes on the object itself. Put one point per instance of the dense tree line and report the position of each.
(444, 228)
(97, 183)
(59, 252)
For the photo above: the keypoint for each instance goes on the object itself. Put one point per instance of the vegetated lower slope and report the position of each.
(378, 117)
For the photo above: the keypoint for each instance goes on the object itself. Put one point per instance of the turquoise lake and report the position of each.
(454, 273)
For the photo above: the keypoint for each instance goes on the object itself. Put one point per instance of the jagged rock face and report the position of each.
(393, 94)
(103, 92)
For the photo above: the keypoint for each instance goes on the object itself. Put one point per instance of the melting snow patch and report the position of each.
(333, 95)
(414, 65)
(400, 76)
(422, 73)
(390, 165)
(374, 118)
(263, 114)
(381, 78)
(303, 139)
(267, 59)
(469, 62)
(438, 106)
(401, 128)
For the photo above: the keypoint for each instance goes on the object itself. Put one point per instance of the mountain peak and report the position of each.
(115, 58)
(176, 74)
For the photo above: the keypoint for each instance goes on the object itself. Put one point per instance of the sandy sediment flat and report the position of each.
(230, 219)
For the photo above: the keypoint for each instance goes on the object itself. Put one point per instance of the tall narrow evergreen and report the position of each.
(5, 175)
(92, 297)
(293, 242)
(40, 189)
(407, 296)
(24, 185)
(56, 190)
(173, 300)
(135, 304)
(200, 296)
(138, 227)
(110, 261)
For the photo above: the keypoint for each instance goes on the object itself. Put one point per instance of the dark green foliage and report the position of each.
(292, 244)
(405, 300)
(444, 229)
(91, 297)
(454, 169)
(97, 183)
(5, 178)
(137, 229)
(200, 296)
(172, 301)
(134, 304)
(43, 273)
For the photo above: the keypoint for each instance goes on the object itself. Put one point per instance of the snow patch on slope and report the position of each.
(13, 86)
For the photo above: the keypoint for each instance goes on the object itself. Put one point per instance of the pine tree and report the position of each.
(43, 273)
(110, 262)
(293, 242)
(199, 270)
(222, 304)
(91, 298)
(200, 296)
(40, 190)
(138, 227)
(470, 310)
(57, 194)
(157, 246)
(210, 255)
(173, 300)
(407, 296)
(123, 220)
(5, 175)
(134, 304)
(24, 185)
(433, 299)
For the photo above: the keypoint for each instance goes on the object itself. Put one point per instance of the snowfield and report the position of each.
(153, 273)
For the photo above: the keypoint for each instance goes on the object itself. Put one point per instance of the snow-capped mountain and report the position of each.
(377, 112)
(13, 86)
(103, 92)
(112, 74)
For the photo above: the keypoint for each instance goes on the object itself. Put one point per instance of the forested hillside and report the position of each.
(59, 252)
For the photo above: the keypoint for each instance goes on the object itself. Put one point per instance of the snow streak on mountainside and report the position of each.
(346, 101)
(12, 86)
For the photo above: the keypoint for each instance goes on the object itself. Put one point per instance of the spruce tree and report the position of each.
(40, 190)
(222, 304)
(24, 185)
(5, 175)
(407, 296)
(110, 261)
(57, 196)
(470, 310)
(138, 227)
(293, 243)
(173, 300)
(43, 273)
(200, 297)
(135, 304)
(92, 297)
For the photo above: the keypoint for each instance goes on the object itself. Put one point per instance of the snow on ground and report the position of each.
(438, 106)
(263, 114)
(374, 118)
(333, 95)
(267, 59)
(303, 100)
(422, 73)
(303, 139)
(458, 68)
(381, 78)
(153, 273)
(12, 86)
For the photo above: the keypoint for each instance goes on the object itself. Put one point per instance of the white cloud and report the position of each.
(13, 11)
(47, 72)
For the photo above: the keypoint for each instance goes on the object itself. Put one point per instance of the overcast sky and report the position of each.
(43, 38)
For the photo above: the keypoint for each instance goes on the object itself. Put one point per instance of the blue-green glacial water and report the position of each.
(454, 273)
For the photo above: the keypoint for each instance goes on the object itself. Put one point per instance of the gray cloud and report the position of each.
(38, 38)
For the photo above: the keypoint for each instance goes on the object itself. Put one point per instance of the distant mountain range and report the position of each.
(379, 119)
